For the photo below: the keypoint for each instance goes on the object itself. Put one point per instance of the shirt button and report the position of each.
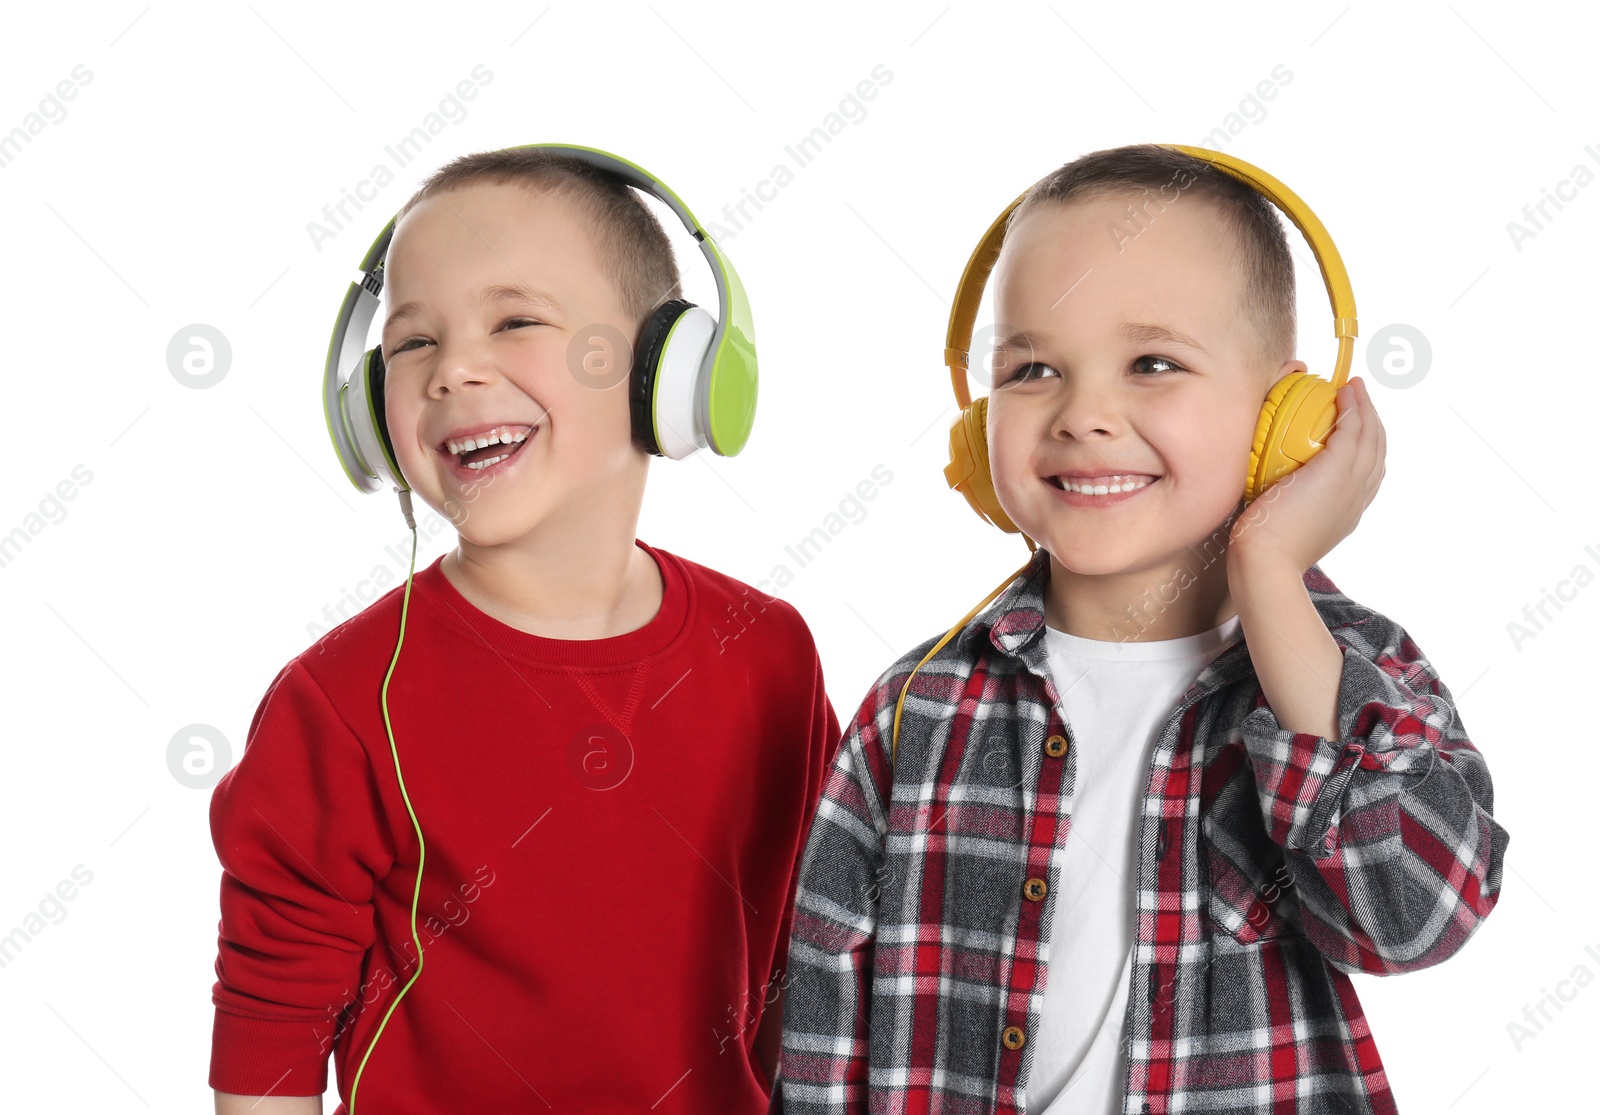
(1013, 1037)
(1034, 889)
(1055, 746)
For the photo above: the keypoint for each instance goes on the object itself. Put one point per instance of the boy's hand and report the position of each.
(1297, 520)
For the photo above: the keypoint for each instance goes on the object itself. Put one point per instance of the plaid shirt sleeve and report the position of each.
(824, 1061)
(1387, 830)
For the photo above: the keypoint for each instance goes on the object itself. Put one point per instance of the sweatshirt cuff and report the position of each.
(260, 1057)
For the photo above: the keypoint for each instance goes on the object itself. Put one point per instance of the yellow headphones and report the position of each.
(1295, 417)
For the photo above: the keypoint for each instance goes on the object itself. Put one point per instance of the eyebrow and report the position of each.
(1016, 338)
(496, 293)
(1147, 333)
(1134, 331)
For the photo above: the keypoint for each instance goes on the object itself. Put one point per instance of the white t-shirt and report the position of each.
(1116, 697)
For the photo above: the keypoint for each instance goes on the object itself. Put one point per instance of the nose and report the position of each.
(458, 364)
(1086, 407)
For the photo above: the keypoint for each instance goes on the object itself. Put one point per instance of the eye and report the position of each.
(1032, 370)
(404, 345)
(1156, 360)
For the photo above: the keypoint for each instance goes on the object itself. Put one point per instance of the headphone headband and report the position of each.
(964, 310)
(724, 383)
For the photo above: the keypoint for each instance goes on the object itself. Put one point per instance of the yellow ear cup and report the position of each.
(1295, 420)
(968, 470)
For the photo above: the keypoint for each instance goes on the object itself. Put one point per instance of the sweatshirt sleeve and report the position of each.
(823, 740)
(827, 1001)
(1388, 833)
(300, 831)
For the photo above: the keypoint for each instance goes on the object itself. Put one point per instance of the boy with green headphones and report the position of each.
(565, 772)
(1115, 844)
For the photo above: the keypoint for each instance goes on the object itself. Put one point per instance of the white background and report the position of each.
(217, 525)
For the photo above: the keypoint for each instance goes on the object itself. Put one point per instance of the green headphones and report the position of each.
(692, 384)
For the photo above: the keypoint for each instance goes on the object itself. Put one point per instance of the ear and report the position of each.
(1289, 367)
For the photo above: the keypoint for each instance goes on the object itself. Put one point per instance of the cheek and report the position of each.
(403, 427)
(1207, 452)
(594, 424)
(1008, 450)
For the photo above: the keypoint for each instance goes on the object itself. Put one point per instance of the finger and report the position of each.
(1371, 424)
(1348, 416)
(1383, 435)
(1380, 454)
(1380, 439)
(1371, 447)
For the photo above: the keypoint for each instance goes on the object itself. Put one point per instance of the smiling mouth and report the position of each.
(487, 450)
(480, 459)
(1104, 485)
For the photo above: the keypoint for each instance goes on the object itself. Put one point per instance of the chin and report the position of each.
(1098, 555)
(479, 531)
(1088, 561)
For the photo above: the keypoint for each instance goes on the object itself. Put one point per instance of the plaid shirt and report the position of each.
(1271, 864)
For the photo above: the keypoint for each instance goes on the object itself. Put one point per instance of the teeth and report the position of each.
(488, 462)
(508, 435)
(1103, 486)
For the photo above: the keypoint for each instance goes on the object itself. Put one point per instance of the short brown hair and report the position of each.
(632, 245)
(1261, 247)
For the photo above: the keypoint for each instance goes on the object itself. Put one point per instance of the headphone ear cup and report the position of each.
(368, 419)
(671, 383)
(646, 373)
(968, 470)
(377, 373)
(1293, 425)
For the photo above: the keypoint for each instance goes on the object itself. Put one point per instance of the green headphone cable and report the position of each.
(405, 509)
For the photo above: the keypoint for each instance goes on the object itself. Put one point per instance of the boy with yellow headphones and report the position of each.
(1115, 844)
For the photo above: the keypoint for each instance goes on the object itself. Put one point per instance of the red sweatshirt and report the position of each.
(612, 831)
